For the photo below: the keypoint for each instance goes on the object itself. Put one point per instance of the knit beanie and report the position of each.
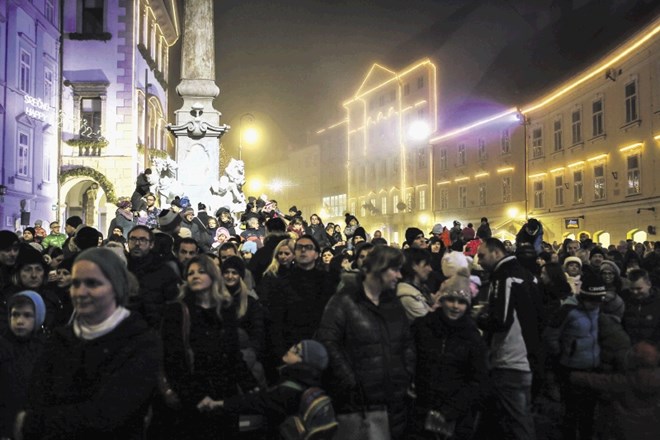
(348, 217)
(185, 202)
(596, 250)
(87, 237)
(360, 232)
(314, 354)
(572, 260)
(452, 261)
(67, 263)
(201, 206)
(187, 210)
(112, 267)
(592, 286)
(37, 301)
(275, 224)
(7, 240)
(412, 233)
(168, 220)
(234, 262)
(607, 264)
(457, 286)
(29, 255)
(222, 231)
(31, 231)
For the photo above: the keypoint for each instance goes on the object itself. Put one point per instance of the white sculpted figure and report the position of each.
(168, 187)
(228, 191)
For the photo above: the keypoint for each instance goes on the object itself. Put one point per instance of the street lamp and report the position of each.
(250, 135)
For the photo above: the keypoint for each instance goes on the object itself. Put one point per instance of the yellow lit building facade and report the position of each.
(589, 150)
(388, 121)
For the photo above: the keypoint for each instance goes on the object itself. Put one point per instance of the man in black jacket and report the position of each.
(158, 281)
(511, 327)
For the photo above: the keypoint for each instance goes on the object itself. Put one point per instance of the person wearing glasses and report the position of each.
(297, 299)
(158, 281)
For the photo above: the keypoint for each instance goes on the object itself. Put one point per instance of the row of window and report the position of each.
(390, 96)
(482, 192)
(631, 114)
(153, 39)
(598, 184)
(482, 152)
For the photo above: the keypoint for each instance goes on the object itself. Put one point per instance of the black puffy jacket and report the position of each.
(368, 345)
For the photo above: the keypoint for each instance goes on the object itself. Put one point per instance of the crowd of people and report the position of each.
(180, 323)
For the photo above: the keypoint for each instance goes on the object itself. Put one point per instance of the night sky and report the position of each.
(292, 62)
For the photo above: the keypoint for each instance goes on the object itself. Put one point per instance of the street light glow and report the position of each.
(251, 135)
(419, 130)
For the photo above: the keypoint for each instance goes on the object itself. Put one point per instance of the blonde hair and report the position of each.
(243, 300)
(220, 296)
(274, 266)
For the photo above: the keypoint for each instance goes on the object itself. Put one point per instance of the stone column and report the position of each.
(197, 128)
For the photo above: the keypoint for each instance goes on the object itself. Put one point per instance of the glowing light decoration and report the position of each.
(512, 212)
(505, 169)
(631, 147)
(576, 164)
(556, 170)
(476, 176)
(444, 182)
(461, 179)
(599, 157)
(538, 175)
(509, 112)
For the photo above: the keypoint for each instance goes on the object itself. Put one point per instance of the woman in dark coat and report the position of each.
(366, 331)
(202, 356)
(451, 362)
(97, 376)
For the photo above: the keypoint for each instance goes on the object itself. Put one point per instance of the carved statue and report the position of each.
(228, 191)
(167, 185)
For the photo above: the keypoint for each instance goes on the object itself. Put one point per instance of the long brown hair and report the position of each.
(219, 294)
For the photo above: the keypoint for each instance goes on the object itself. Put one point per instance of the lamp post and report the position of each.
(250, 119)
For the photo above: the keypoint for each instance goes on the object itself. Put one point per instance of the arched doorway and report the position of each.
(637, 235)
(570, 235)
(85, 195)
(603, 238)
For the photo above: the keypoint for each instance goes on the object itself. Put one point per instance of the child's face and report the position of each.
(21, 321)
(293, 356)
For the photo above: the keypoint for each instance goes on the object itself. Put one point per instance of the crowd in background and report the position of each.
(182, 323)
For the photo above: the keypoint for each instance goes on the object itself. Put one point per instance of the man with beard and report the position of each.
(158, 281)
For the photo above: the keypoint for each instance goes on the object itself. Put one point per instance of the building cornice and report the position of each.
(167, 24)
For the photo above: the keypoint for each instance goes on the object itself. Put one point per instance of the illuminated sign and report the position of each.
(35, 108)
(572, 223)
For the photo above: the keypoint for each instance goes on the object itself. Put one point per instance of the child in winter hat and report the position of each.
(452, 261)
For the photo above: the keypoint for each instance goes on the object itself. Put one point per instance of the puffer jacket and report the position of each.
(573, 337)
(451, 364)
(641, 318)
(371, 351)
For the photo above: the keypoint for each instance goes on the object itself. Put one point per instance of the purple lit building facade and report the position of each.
(29, 107)
(109, 46)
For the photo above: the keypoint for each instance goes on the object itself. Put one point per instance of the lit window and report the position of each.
(631, 101)
(557, 135)
(444, 199)
(482, 194)
(90, 117)
(600, 190)
(634, 182)
(539, 195)
(48, 86)
(537, 142)
(578, 187)
(576, 126)
(25, 71)
(559, 190)
(420, 82)
(383, 204)
(506, 142)
(23, 154)
(422, 199)
(597, 118)
(462, 196)
(395, 203)
(443, 159)
(482, 149)
(506, 189)
(461, 155)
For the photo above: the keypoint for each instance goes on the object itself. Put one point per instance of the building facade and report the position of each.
(388, 121)
(114, 100)
(581, 158)
(29, 108)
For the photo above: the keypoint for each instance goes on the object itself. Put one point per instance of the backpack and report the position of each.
(315, 419)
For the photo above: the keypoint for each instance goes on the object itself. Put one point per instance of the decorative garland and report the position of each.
(106, 185)
(153, 153)
(87, 143)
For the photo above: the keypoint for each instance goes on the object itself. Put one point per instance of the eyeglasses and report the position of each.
(305, 247)
(139, 240)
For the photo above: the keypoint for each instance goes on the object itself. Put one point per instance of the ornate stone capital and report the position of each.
(197, 128)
